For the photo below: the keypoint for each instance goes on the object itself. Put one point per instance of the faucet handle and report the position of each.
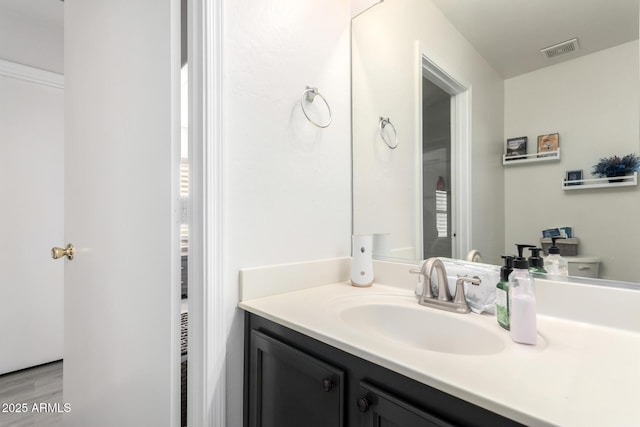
(423, 290)
(420, 286)
(475, 280)
(460, 297)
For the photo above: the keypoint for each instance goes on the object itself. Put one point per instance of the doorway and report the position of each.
(444, 117)
(436, 170)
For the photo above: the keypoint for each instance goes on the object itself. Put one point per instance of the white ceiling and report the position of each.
(510, 33)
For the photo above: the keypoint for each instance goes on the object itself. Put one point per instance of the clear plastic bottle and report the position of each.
(522, 304)
(554, 263)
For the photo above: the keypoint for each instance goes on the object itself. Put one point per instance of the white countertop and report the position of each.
(579, 374)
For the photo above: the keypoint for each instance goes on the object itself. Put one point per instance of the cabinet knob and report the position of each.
(363, 404)
(327, 384)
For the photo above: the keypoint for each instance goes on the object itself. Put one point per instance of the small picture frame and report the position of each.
(516, 148)
(547, 143)
(573, 177)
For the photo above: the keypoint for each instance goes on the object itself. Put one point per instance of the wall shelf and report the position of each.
(531, 158)
(584, 184)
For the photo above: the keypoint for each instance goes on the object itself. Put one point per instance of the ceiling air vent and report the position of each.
(561, 48)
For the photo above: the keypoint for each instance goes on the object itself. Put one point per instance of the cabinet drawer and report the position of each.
(381, 409)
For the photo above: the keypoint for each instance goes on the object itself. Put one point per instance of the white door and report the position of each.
(122, 293)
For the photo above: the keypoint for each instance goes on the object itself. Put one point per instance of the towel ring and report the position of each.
(308, 96)
(474, 256)
(383, 122)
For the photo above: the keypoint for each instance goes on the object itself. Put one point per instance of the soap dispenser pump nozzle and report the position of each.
(554, 249)
(521, 262)
(535, 260)
(507, 268)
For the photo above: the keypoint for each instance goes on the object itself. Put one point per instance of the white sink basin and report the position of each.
(422, 327)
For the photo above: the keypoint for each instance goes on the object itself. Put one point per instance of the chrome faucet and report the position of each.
(443, 301)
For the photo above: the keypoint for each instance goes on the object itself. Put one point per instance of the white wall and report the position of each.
(592, 102)
(384, 85)
(31, 221)
(287, 182)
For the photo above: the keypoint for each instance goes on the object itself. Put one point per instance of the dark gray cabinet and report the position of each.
(293, 380)
(290, 388)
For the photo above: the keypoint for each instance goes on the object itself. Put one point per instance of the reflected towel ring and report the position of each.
(474, 256)
(383, 122)
(308, 96)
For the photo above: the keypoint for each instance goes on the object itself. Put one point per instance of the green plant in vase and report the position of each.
(615, 166)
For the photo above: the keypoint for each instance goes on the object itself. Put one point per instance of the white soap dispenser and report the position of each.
(522, 302)
(554, 263)
(362, 260)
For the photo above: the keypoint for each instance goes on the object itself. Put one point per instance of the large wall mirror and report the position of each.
(449, 81)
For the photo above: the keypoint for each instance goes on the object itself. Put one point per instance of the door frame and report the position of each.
(434, 69)
(206, 376)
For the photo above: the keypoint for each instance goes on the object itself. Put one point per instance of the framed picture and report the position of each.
(548, 143)
(574, 176)
(516, 148)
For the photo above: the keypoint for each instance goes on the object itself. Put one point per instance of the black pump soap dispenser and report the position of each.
(521, 262)
(536, 263)
(502, 292)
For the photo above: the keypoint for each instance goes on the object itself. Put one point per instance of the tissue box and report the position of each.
(568, 247)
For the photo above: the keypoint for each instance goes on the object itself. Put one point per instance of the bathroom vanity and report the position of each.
(294, 380)
(334, 355)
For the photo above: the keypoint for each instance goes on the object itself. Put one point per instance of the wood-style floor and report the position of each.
(40, 386)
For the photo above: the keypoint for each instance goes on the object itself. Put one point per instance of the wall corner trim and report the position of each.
(31, 74)
(208, 322)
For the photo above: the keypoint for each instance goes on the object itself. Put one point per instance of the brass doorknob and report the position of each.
(60, 252)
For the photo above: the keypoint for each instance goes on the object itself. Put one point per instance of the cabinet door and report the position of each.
(381, 409)
(289, 388)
